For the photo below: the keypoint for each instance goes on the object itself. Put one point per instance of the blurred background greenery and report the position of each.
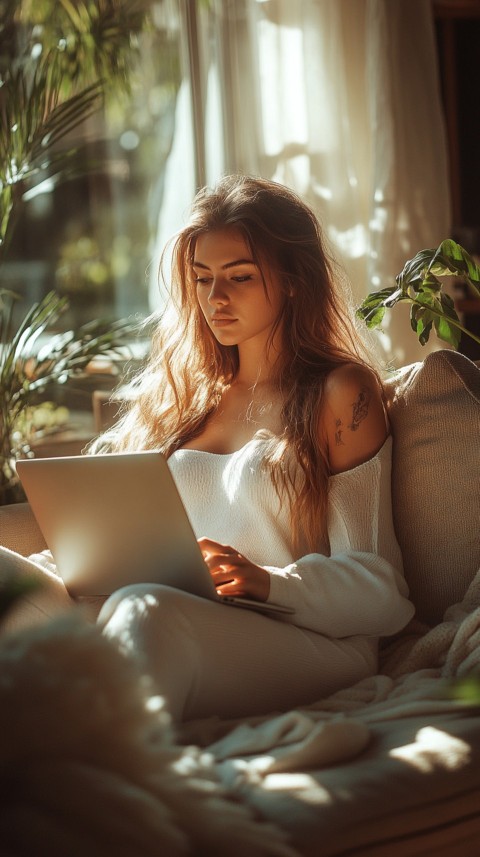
(86, 105)
(85, 91)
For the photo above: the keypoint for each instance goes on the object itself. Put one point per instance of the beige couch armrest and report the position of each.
(19, 530)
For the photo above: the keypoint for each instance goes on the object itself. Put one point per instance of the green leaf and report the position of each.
(372, 309)
(32, 122)
(466, 690)
(418, 284)
(446, 325)
(413, 269)
(421, 317)
(448, 332)
(24, 372)
(372, 316)
(424, 332)
(459, 262)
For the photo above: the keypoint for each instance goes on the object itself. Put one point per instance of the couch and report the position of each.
(391, 766)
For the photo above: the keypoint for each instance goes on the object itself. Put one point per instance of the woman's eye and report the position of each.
(202, 280)
(242, 278)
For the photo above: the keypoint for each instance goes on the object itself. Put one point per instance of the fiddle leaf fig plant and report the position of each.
(419, 284)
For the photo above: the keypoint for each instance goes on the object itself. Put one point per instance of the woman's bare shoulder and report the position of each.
(353, 422)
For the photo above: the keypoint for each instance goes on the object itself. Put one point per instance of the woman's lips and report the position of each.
(222, 321)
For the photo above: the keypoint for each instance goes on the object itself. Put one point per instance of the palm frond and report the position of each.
(93, 39)
(26, 370)
(7, 303)
(72, 52)
(32, 120)
(32, 123)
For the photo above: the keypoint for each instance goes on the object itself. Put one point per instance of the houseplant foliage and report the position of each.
(27, 371)
(59, 61)
(419, 285)
(431, 308)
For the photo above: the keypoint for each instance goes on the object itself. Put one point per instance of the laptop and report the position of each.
(114, 519)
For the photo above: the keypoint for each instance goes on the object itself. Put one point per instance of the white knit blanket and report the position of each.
(70, 708)
(419, 670)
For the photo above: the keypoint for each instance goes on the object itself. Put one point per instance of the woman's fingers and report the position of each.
(211, 548)
(233, 573)
(216, 554)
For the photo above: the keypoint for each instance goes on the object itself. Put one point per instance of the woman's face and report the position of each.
(239, 305)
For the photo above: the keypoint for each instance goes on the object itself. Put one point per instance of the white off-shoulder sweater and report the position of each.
(353, 586)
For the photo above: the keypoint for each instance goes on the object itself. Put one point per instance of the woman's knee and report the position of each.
(43, 594)
(138, 597)
(153, 625)
(145, 612)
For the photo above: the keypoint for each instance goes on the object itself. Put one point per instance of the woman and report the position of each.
(275, 431)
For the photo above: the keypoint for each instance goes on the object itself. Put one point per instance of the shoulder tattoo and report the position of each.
(338, 433)
(359, 412)
(360, 408)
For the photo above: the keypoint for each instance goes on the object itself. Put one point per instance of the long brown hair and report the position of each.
(187, 369)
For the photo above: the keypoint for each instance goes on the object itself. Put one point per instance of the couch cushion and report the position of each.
(19, 530)
(435, 414)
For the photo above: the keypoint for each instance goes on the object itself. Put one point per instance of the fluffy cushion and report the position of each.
(435, 415)
(88, 764)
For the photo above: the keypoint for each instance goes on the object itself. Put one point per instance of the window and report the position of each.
(96, 235)
(297, 92)
(90, 235)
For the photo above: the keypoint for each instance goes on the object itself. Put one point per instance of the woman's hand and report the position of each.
(234, 574)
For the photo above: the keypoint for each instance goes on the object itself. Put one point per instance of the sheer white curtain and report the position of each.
(338, 99)
(409, 197)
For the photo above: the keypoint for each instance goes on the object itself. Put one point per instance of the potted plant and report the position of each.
(28, 371)
(58, 60)
(419, 285)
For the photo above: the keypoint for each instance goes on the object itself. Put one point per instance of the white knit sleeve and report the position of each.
(359, 588)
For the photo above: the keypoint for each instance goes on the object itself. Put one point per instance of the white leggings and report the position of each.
(208, 658)
(205, 658)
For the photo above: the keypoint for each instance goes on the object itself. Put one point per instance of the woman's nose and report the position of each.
(218, 293)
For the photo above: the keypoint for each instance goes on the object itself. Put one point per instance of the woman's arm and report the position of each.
(359, 588)
(353, 424)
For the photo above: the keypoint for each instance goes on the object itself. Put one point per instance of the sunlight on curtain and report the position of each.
(311, 142)
(410, 198)
(197, 153)
(352, 118)
(339, 99)
(178, 190)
